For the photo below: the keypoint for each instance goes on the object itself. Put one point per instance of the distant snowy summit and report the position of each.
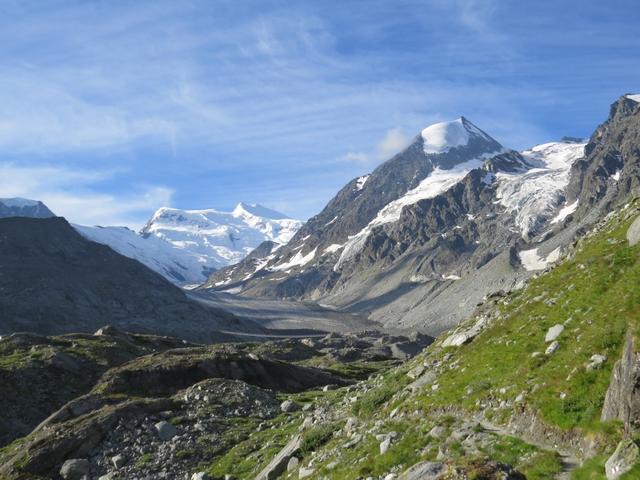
(186, 246)
(23, 207)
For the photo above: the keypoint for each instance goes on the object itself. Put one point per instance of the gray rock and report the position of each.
(305, 472)
(554, 332)
(552, 348)
(200, 476)
(294, 462)
(423, 471)
(279, 463)
(633, 234)
(384, 445)
(622, 401)
(596, 361)
(119, 461)
(165, 430)
(289, 406)
(75, 469)
(108, 476)
(623, 459)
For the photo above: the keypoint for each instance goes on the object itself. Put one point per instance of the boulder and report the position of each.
(294, 462)
(596, 362)
(200, 476)
(119, 461)
(305, 472)
(279, 463)
(552, 348)
(633, 234)
(622, 401)
(165, 430)
(75, 469)
(623, 459)
(289, 406)
(553, 333)
(384, 445)
(423, 471)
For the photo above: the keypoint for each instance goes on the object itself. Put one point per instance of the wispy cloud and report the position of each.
(71, 193)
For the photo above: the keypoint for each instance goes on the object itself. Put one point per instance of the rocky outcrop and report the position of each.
(622, 401)
(626, 455)
(279, 463)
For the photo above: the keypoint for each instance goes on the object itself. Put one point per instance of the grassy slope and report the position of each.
(595, 295)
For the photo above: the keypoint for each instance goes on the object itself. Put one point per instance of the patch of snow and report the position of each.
(616, 176)
(634, 97)
(451, 277)
(331, 221)
(489, 178)
(333, 248)
(443, 136)
(565, 212)
(361, 181)
(534, 195)
(297, 260)
(531, 261)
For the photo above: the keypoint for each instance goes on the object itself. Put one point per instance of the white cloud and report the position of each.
(393, 142)
(72, 194)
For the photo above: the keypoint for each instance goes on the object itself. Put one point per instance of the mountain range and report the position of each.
(454, 217)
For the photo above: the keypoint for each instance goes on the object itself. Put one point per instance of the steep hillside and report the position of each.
(55, 281)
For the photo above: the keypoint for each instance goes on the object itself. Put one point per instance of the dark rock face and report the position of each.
(18, 207)
(622, 401)
(54, 281)
(613, 149)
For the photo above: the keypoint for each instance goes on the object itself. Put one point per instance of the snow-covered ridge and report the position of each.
(535, 194)
(187, 245)
(635, 97)
(19, 202)
(442, 137)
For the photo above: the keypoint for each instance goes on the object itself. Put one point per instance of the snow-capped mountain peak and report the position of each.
(187, 245)
(441, 137)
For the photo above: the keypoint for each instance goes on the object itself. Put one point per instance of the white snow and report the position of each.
(565, 212)
(334, 247)
(298, 260)
(361, 181)
(534, 195)
(616, 176)
(451, 277)
(635, 97)
(531, 261)
(18, 202)
(193, 242)
(443, 136)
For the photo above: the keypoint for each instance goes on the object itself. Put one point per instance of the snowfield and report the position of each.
(187, 245)
(535, 195)
(531, 261)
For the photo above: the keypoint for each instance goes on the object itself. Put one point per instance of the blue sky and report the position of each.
(111, 109)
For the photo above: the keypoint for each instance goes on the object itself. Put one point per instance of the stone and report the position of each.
(552, 348)
(289, 406)
(633, 234)
(596, 362)
(305, 472)
(108, 476)
(622, 401)
(119, 461)
(294, 462)
(165, 430)
(437, 431)
(327, 388)
(423, 471)
(278, 464)
(75, 469)
(553, 333)
(384, 445)
(623, 459)
(200, 476)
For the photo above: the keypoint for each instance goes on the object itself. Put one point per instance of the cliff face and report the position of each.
(622, 401)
